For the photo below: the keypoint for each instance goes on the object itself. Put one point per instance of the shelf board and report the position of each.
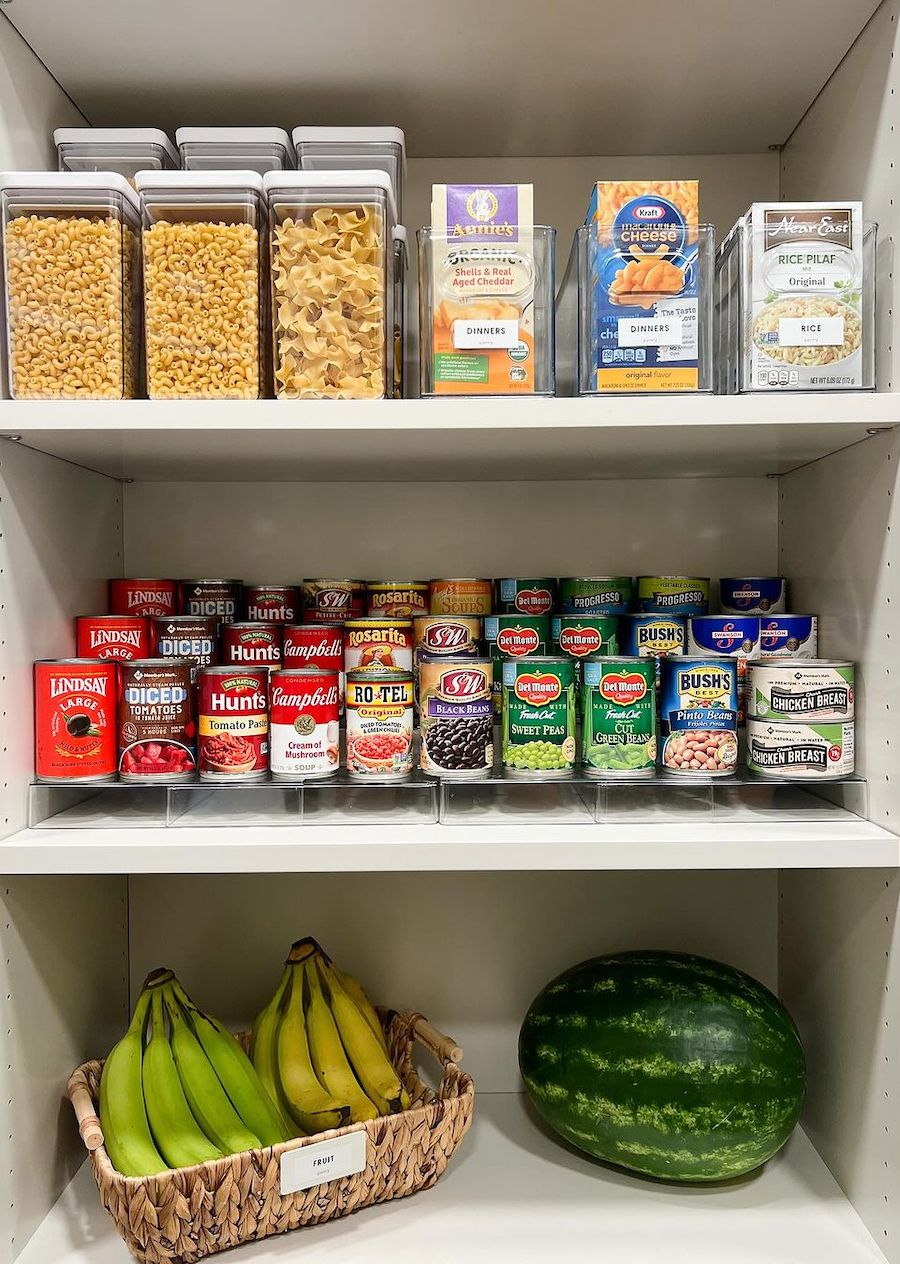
(513, 1193)
(449, 440)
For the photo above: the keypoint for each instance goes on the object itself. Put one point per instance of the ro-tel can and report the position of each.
(582, 635)
(118, 636)
(652, 636)
(618, 713)
(194, 637)
(233, 723)
(812, 689)
(272, 603)
(333, 600)
(305, 732)
(597, 595)
(698, 716)
(75, 720)
(219, 597)
(456, 717)
(252, 643)
(814, 752)
(317, 645)
(789, 636)
(379, 708)
(396, 598)
(156, 723)
(142, 597)
(758, 595)
(460, 596)
(734, 636)
(370, 644)
(514, 636)
(672, 594)
(538, 716)
(525, 596)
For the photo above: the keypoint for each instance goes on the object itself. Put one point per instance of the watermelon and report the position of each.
(666, 1064)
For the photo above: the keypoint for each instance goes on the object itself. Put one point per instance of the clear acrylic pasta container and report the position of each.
(204, 239)
(332, 283)
(795, 300)
(636, 322)
(71, 272)
(259, 149)
(401, 267)
(355, 149)
(486, 316)
(125, 150)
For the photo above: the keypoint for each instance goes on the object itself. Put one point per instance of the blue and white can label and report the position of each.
(759, 595)
(789, 636)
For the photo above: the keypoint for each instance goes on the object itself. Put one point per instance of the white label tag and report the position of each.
(471, 334)
(650, 332)
(322, 1162)
(811, 331)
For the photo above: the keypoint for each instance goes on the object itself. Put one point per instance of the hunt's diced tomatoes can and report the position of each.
(305, 733)
(145, 597)
(233, 723)
(118, 636)
(75, 720)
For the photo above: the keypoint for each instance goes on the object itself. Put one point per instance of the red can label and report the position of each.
(333, 600)
(144, 597)
(75, 720)
(251, 643)
(314, 645)
(122, 637)
(185, 636)
(218, 597)
(272, 603)
(233, 723)
(156, 722)
(305, 736)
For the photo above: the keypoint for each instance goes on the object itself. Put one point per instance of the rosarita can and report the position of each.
(456, 717)
(374, 644)
(525, 596)
(75, 720)
(618, 710)
(304, 728)
(233, 723)
(538, 716)
(397, 598)
(379, 706)
(698, 711)
(596, 595)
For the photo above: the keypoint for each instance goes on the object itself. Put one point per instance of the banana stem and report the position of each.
(162, 974)
(301, 949)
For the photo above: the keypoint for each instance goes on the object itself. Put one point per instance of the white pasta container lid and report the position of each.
(199, 180)
(115, 136)
(239, 135)
(350, 136)
(71, 181)
(274, 181)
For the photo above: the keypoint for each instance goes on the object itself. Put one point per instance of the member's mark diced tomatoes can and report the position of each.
(305, 732)
(233, 723)
(218, 597)
(75, 720)
(272, 603)
(156, 722)
(118, 636)
(143, 597)
(194, 637)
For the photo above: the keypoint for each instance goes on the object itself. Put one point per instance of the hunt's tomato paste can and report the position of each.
(333, 600)
(75, 720)
(194, 637)
(316, 645)
(118, 636)
(218, 597)
(233, 723)
(305, 733)
(272, 603)
(370, 644)
(252, 643)
(156, 724)
(144, 597)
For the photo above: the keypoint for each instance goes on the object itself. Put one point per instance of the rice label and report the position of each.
(826, 331)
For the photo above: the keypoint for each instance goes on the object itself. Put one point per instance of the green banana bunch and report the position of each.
(328, 1055)
(366, 1053)
(309, 1103)
(264, 1050)
(175, 1130)
(123, 1116)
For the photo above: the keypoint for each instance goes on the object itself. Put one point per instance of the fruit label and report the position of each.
(538, 716)
(74, 720)
(619, 718)
(379, 725)
(305, 734)
(322, 1161)
(156, 721)
(456, 717)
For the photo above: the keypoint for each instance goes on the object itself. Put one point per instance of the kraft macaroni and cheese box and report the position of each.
(483, 287)
(644, 277)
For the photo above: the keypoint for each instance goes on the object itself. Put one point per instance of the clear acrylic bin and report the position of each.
(795, 311)
(354, 149)
(633, 323)
(258, 149)
(125, 150)
(332, 275)
(486, 318)
(71, 271)
(204, 284)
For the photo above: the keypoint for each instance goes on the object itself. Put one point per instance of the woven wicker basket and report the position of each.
(187, 1214)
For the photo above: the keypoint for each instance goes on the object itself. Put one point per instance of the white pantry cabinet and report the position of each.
(467, 918)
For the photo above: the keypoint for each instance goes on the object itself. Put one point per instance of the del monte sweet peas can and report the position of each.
(539, 716)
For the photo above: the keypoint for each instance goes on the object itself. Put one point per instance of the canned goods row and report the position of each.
(801, 718)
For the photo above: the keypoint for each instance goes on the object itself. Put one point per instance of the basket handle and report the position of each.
(89, 1126)
(443, 1048)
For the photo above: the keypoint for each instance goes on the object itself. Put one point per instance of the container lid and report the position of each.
(198, 180)
(275, 180)
(347, 135)
(61, 181)
(240, 135)
(115, 135)
(398, 232)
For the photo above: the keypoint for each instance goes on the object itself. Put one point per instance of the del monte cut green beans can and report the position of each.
(618, 707)
(539, 717)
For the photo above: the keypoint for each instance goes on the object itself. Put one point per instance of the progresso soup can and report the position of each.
(525, 596)
(698, 708)
(514, 636)
(538, 717)
(618, 717)
(789, 636)
(596, 595)
(758, 595)
(672, 594)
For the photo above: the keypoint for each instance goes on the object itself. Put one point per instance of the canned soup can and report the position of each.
(797, 751)
(156, 722)
(596, 595)
(618, 709)
(673, 594)
(118, 636)
(789, 636)
(304, 724)
(526, 596)
(757, 595)
(461, 596)
(539, 717)
(75, 720)
(809, 689)
(456, 717)
(397, 598)
(379, 706)
(698, 716)
(233, 723)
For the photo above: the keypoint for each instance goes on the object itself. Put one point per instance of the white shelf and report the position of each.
(448, 440)
(512, 1193)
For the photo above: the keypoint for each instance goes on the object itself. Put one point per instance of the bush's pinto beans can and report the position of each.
(672, 594)
(194, 637)
(759, 595)
(698, 708)
(396, 598)
(233, 723)
(304, 726)
(789, 636)
(733, 636)
(75, 720)
(272, 603)
(220, 598)
(816, 690)
(252, 643)
(156, 724)
(372, 644)
(596, 595)
(618, 710)
(456, 717)
(461, 596)
(379, 708)
(333, 600)
(810, 752)
(538, 717)
(514, 636)
(525, 596)
(143, 597)
(316, 645)
(117, 636)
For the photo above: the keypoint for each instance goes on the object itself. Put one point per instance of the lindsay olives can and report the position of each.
(456, 717)
(75, 720)
(789, 636)
(379, 706)
(811, 752)
(525, 596)
(618, 714)
(397, 598)
(461, 596)
(759, 595)
(538, 716)
(603, 594)
(698, 708)
(672, 594)
(514, 636)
